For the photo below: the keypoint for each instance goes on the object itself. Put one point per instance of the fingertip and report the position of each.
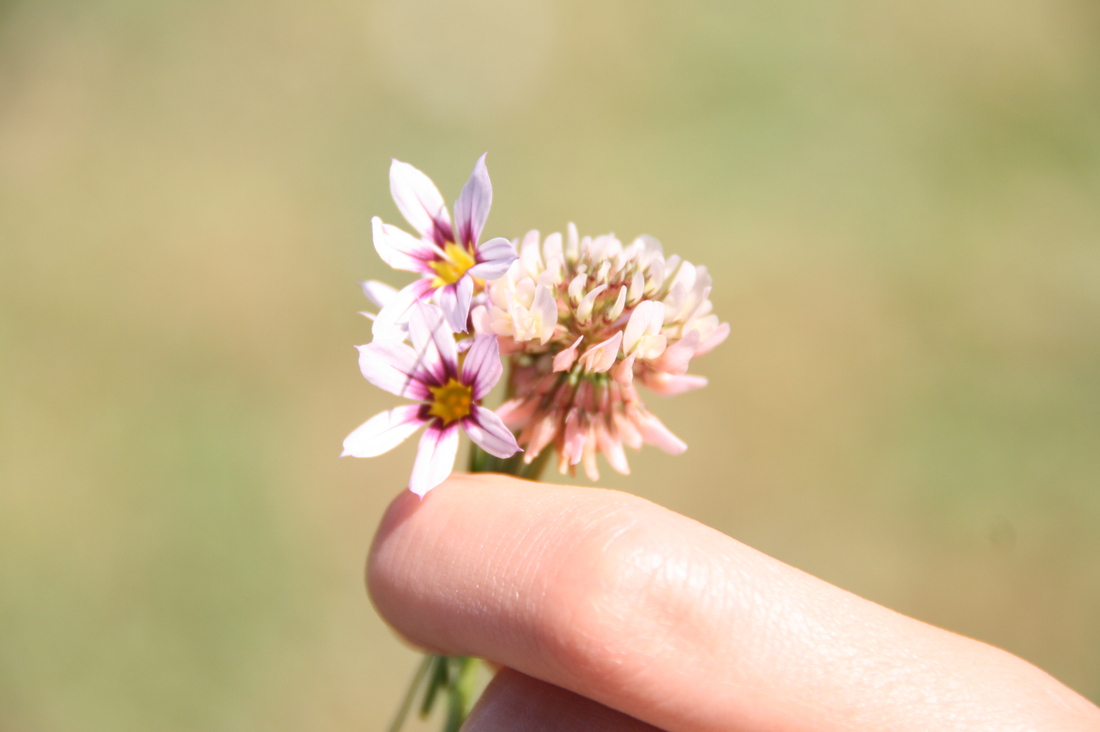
(386, 562)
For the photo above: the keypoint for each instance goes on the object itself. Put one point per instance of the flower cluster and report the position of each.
(582, 322)
(448, 384)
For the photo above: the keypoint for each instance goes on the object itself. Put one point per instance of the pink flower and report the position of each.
(449, 396)
(451, 259)
(586, 321)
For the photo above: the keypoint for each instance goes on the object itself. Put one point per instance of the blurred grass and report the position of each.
(898, 205)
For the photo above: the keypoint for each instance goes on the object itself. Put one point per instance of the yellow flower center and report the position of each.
(451, 401)
(448, 271)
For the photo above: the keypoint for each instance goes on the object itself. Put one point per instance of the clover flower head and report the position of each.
(583, 320)
(449, 390)
(451, 259)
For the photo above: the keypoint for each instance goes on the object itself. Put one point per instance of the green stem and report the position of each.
(455, 677)
(410, 695)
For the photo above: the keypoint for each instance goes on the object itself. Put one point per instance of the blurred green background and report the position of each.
(899, 203)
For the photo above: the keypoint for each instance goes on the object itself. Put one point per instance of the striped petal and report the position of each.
(435, 458)
(392, 321)
(433, 342)
(455, 302)
(383, 432)
(420, 202)
(378, 293)
(494, 257)
(402, 250)
(394, 367)
(482, 368)
(489, 433)
(472, 206)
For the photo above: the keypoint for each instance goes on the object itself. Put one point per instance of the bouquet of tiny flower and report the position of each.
(581, 323)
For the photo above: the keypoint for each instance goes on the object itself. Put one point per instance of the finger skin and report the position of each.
(516, 703)
(673, 623)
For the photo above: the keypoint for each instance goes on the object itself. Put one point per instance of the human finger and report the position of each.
(671, 622)
(513, 702)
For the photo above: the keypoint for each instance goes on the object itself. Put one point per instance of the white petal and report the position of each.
(472, 206)
(574, 438)
(420, 202)
(547, 309)
(516, 412)
(401, 250)
(394, 367)
(383, 432)
(676, 357)
(671, 384)
(564, 360)
(529, 253)
(601, 357)
(378, 293)
(433, 342)
(584, 309)
(655, 433)
(637, 289)
(715, 338)
(646, 320)
(655, 275)
(487, 430)
(623, 371)
(576, 287)
(553, 255)
(482, 319)
(617, 309)
(572, 246)
(482, 367)
(392, 322)
(455, 301)
(494, 257)
(612, 449)
(435, 458)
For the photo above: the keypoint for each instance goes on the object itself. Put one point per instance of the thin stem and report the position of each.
(410, 695)
(461, 698)
(456, 676)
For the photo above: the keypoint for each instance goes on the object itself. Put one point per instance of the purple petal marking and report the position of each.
(393, 366)
(402, 250)
(472, 206)
(455, 301)
(493, 259)
(487, 430)
(433, 342)
(383, 432)
(420, 202)
(392, 321)
(482, 368)
(435, 458)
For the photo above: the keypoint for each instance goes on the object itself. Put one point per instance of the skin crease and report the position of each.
(612, 613)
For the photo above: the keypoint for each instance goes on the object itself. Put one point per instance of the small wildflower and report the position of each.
(454, 264)
(449, 394)
(584, 319)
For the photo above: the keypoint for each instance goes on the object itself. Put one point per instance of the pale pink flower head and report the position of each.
(587, 319)
(452, 260)
(449, 395)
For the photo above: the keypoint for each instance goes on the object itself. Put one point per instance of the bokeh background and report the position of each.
(899, 203)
